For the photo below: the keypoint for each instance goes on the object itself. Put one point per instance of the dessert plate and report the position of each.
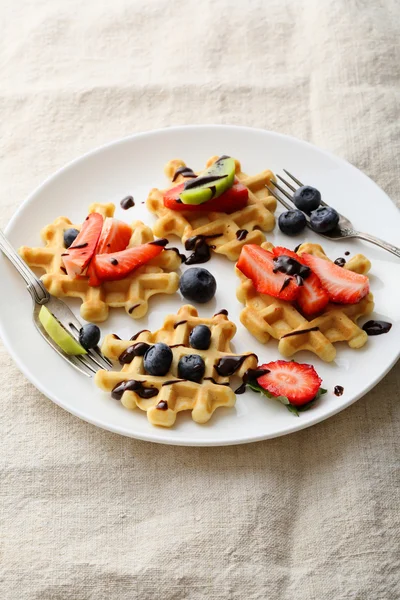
(132, 166)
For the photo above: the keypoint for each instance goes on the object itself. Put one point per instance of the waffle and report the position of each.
(132, 292)
(255, 218)
(202, 399)
(265, 316)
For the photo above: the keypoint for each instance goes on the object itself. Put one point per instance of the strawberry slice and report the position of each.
(258, 265)
(114, 237)
(297, 382)
(117, 265)
(235, 198)
(76, 258)
(311, 298)
(343, 286)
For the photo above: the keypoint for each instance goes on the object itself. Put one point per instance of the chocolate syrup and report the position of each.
(214, 382)
(347, 253)
(171, 381)
(78, 246)
(177, 345)
(300, 331)
(135, 337)
(127, 202)
(223, 311)
(286, 283)
(133, 386)
(376, 327)
(297, 247)
(115, 336)
(338, 390)
(63, 269)
(242, 234)
(228, 365)
(185, 172)
(129, 354)
(181, 256)
(162, 405)
(290, 266)
(113, 261)
(179, 323)
(161, 242)
(204, 180)
(299, 280)
(201, 249)
(250, 374)
(340, 262)
(132, 308)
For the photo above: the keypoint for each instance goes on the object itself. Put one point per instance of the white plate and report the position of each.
(134, 165)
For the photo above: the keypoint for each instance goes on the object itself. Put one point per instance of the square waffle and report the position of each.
(265, 316)
(172, 395)
(254, 218)
(132, 292)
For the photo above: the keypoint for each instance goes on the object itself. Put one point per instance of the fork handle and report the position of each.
(35, 287)
(378, 242)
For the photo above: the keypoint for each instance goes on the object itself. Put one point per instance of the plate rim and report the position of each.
(153, 436)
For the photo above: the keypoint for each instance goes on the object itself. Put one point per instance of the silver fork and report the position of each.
(345, 228)
(89, 363)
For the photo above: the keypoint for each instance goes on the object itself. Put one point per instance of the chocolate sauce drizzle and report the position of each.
(242, 234)
(223, 311)
(127, 202)
(185, 172)
(162, 405)
(115, 336)
(215, 382)
(132, 308)
(172, 381)
(133, 386)
(340, 262)
(204, 180)
(161, 242)
(183, 257)
(63, 269)
(338, 390)
(135, 337)
(287, 282)
(228, 365)
(374, 327)
(347, 253)
(290, 266)
(250, 374)
(129, 354)
(78, 246)
(299, 332)
(113, 261)
(179, 323)
(201, 249)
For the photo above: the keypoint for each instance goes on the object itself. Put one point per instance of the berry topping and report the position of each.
(110, 267)
(307, 198)
(292, 222)
(259, 266)
(235, 198)
(324, 219)
(198, 285)
(311, 297)
(70, 236)
(157, 360)
(78, 255)
(200, 337)
(343, 286)
(114, 237)
(191, 367)
(297, 382)
(89, 336)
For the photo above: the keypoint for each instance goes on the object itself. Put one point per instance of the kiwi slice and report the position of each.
(213, 182)
(58, 334)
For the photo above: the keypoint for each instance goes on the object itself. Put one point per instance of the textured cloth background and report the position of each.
(86, 514)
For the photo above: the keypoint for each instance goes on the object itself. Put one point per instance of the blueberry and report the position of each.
(324, 219)
(70, 236)
(158, 359)
(200, 337)
(292, 222)
(307, 198)
(89, 336)
(198, 285)
(191, 367)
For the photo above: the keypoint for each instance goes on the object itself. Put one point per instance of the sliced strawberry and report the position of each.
(76, 258)
(230, 201)
(343, 286)
(117, 265)
(258, 265)
(299, 383)
(114, 237)
(311, 298)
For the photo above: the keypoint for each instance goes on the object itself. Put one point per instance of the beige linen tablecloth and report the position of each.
(86, 514)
